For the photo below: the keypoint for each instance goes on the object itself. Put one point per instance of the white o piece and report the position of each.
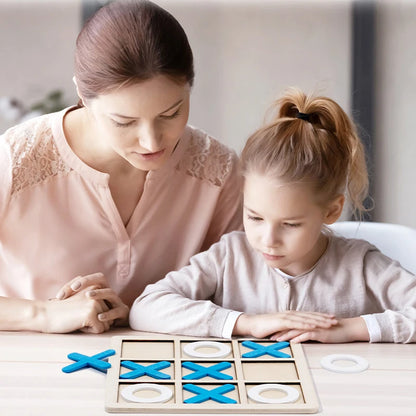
(255, 393)
(361, 364)
(165, 393)
(222, 349)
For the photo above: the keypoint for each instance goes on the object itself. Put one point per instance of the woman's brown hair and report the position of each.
(310, 139)
(127, 42)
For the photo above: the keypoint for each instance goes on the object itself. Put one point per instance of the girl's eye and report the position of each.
(252, 218)
(171, 116)
(292, 225)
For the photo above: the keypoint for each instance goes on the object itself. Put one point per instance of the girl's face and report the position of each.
(142, 122)
(283, 222)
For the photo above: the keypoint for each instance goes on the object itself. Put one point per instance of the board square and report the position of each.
(262, 371)
(147, 376)
(229, 372)
(245, 350)
(278, 394)
(147, 350)
(145, 393)
(207, 349)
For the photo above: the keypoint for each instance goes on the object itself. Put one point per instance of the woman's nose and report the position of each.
(148, 137)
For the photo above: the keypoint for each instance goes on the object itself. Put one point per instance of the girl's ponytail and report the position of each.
(310, 138)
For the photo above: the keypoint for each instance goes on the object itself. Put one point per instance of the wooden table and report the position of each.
(32, 383)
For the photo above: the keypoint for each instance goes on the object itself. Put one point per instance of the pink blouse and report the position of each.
(58, 219)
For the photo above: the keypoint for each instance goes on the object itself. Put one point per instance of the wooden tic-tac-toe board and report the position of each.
(195, 375)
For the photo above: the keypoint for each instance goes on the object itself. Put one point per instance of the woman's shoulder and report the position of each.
(32, 150)
(206, 158)
(30, 135)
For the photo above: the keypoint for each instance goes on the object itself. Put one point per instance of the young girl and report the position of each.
(287, 277)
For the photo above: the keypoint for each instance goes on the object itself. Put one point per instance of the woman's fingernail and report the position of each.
(101, 317)
(60, 294)
(75, 285)
(91, 293)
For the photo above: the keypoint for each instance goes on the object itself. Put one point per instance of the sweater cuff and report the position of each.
(373, 328)
(227, 330)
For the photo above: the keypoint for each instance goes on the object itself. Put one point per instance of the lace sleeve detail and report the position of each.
(207, 159)
(34, 154)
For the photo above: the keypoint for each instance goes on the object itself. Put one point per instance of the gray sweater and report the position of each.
(351, 279)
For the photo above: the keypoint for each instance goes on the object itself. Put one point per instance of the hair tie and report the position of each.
(303, 116)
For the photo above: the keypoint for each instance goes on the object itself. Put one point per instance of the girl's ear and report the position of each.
(334, 210)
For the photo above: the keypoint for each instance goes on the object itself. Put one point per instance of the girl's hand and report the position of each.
(264, 325)
(347, 330)
(78, 312)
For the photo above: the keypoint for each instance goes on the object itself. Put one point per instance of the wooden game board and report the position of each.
(205, 382)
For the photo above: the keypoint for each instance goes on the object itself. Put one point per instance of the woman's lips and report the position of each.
(151, 156)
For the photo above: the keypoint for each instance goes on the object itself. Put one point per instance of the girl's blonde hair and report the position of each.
(310, 139)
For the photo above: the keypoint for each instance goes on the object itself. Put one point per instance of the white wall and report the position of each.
(395, 138)
(37, 40)
(246, 53)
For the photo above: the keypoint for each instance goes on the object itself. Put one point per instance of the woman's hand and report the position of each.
(117, 311)
(347, 330)
(78, 312)
(80, 283)
(264, 325)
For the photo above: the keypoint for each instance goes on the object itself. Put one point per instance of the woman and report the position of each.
(100, 199)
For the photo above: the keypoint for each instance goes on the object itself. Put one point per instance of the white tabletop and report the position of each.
(32, 383)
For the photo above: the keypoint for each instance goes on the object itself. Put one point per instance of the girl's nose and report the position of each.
(271, 237)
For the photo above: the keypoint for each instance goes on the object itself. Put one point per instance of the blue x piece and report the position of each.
(259, 350)
(200, 371)
(151, 370)
(202, 395)
(83, 361)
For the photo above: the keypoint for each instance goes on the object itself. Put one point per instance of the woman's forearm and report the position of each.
(22, 315)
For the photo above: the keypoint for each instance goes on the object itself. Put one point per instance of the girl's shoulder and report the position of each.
(361, 255)
(206, 158)
(349, 247)
(357, 253)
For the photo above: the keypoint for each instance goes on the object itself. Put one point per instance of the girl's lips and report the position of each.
(271, 257)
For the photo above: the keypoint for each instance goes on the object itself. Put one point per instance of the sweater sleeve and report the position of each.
(180, 303)
(393, 289)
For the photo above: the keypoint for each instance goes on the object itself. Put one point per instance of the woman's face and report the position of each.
(142, 122)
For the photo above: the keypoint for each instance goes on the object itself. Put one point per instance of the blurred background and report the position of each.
(247, 53)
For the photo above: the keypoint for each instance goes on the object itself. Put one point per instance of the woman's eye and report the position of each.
(117, 124)
(171, 116)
